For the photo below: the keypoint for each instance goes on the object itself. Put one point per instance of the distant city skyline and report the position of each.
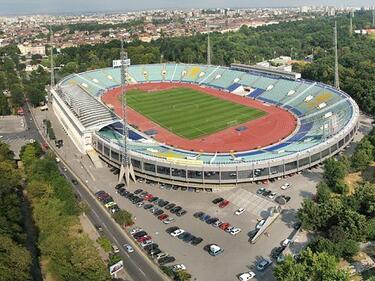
(24, 7)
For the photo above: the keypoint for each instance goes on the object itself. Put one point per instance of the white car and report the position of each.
(286, 242)
(235, 231)
(272, 195)
(145, 243)
(246, 276)
(285, 186)
(229, 229)
(260, 224)
(178, 267)
(135, 230)
(177, 232)
(128, 248)
(161, 255)
(239, 211)
(168, 220)
(140, 204)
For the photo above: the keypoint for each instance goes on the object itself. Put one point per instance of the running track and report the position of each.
(261, 132)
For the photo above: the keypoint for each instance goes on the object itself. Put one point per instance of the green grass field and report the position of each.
(190, 113)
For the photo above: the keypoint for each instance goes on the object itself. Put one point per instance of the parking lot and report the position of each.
(239, 254)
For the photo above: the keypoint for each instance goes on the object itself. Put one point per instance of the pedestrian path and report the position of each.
(250, 201)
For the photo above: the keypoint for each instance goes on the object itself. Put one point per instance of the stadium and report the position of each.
(206, 126)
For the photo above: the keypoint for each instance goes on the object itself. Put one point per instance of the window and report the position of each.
(149, 167)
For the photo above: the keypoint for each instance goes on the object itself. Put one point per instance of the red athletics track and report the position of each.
(261, 132)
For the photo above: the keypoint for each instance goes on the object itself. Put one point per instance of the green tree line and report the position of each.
(15, 260)
(68, 253)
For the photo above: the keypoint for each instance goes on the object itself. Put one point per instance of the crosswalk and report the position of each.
(250, 202)
(15, 143)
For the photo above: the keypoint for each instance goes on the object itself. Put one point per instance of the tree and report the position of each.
(363, 199)
(310, 266)
(363, 155)
(323, 192)
(5, 152)
(309, 215)
(334, 172)
(182, 275)
(123, 218)
(15, 261)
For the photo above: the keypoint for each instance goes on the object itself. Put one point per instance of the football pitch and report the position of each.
(190, 113)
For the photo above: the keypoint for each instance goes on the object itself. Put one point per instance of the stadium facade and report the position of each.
(327, 120)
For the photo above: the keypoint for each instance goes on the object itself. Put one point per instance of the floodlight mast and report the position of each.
(337, 78)
(126, 170)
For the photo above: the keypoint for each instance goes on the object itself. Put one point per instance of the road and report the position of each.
(136, 264)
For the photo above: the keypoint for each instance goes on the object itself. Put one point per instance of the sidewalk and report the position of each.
(93, 234)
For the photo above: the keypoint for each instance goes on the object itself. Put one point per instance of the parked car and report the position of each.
(170, 206)
(146, 242)
(212, 220)
(158, 212)
(285, 186)
(178, 267)
(297, 225)
(263, 264)
(261, 190)
(277, 251)
(266, 193)
(171, 229)
(177, 232)
(181, 213)
(217, 200)
(246, 276)
(224, 204)
(217, 223)
(198, 215)
(196, 240)
(224, 226)
(120, 185)
(214, 250)
(139, 234)
(138, 191)
(165, 260)
(286, 242)
(161, 255)
(162, 217)
(143, 238)
(150, 247)
(176, 209)
(252, 233)
(239, 211)
(147, 206)
(154, 251)
(260, 224)
(235, 231)
(168, 220)
(272, 195)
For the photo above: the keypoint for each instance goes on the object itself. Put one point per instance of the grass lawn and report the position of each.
(190, 113)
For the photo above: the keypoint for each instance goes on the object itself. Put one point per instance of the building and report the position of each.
(32, 50)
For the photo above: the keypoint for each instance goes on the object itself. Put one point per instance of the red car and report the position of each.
(148, 197)
(224, 226)
(163, 217)
(224, 204)
(144, 238)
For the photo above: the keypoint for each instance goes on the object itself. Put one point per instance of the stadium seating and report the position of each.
(322, 110)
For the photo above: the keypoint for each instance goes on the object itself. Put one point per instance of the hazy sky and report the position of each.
(71, 6)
